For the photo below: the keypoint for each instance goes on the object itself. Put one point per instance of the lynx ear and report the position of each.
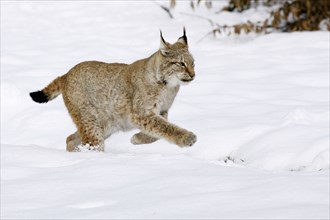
(164, 49)
(183, 39)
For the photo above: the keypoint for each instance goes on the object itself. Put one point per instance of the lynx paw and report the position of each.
(70, 147)
(88, 148)
(187, 140)
(141, 138)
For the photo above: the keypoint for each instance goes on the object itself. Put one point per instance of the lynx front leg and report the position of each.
(143, 138)
(158, 126)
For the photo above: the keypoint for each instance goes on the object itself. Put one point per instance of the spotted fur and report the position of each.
(103, 98)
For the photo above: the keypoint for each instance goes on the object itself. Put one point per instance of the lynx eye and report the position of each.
(180, 64)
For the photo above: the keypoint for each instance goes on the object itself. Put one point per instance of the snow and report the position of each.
(259, 106)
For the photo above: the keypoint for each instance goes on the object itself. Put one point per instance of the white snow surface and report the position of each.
(259, 106)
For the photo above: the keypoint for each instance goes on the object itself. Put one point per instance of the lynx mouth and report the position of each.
(186, 80)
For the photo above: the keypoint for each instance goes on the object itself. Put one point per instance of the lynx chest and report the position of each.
(166, 98)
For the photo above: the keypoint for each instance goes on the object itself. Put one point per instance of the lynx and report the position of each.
(103, 98)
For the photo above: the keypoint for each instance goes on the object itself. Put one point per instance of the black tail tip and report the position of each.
(39, 96)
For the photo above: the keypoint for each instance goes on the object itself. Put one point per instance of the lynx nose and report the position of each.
(191, 74)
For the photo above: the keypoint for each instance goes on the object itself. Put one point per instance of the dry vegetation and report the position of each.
(289, 15)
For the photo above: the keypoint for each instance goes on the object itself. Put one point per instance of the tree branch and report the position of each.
(165, 9)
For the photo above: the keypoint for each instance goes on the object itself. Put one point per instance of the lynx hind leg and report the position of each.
(142, 138)
(92, 138)
(90, 133)
(72, 142)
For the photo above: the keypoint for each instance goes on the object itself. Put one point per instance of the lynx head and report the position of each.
(176, 64)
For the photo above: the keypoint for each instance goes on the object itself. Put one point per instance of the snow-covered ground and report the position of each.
(259, 106)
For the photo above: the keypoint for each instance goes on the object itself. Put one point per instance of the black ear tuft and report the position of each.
(161, 37)
(164, 48)
(184, 37)
(39, 96)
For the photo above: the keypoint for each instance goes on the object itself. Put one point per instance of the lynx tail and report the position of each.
(48, 93)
